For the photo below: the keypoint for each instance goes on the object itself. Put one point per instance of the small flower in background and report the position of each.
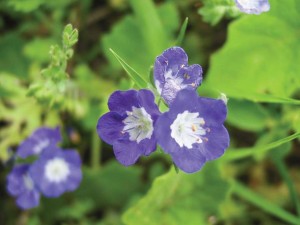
(253, 6)
(38, 141)
(21, 186)
(129, 125)
(56, 171)
(192, 131)
(172, 73)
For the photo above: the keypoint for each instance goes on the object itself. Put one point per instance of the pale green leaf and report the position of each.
(177, 199)
(260, 56)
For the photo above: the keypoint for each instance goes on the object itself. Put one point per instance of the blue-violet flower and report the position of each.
(21, 185)
(172, 73)
(38, 141)
(253, 6)
(129, 125)
(192, 131)
(56, 171)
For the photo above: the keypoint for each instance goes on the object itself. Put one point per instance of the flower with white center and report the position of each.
(192, 131)
(129, 126)
(138, 124)
(40, 139)
(172, 73)
(20, 184)
(187, 129)
(56, 171)
(253, 6)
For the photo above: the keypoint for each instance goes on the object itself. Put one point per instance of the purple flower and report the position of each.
(129, 125)
(38, 141)
(56, 171)
(253, 6)
(21, 185)
(172, 73)
(192, 131)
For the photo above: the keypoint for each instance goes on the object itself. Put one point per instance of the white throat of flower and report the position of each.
(57, 170)
(176, 82)
(28, 181)
(187, 129)
(249, 4)
(40, 146)
(138, 124)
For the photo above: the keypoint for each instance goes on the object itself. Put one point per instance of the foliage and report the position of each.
(54, 74)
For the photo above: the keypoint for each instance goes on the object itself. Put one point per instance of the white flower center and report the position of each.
(174, 81)
(249, 4)
(40, 146)
(28, 181)
(57, 170)
(187, 129)
(138, 124)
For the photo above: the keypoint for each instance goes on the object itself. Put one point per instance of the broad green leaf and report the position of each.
(260, 55)
(214, 10)
(141, 42)
(38, 50)
(12, 60)
(247, 115)
(177, 199)
(25, 5)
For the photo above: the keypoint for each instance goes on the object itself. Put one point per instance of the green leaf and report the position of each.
(247, 115)
(177, 199)
(240, 153)
(214, 10)
(25, 5)
(135, 76)
(260, 56)
(182, 32)
(12, 60)
(141, 42)
(111, 186)
(263, 204)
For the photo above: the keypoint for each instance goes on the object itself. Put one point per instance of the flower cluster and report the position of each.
(54, 172)
(253, 6)
(191, 132)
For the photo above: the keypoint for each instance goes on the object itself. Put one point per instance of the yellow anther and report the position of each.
(194, 128)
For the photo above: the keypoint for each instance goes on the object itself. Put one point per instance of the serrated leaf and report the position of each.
(177, 199)
(260, 56)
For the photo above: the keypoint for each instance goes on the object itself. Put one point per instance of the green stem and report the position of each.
(286, 177)
(247, 194)
(96, 151)
(241, 153)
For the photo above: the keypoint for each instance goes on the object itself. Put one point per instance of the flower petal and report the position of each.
(38, 141)
(162, 133)
(253, 6)
(147, 101)
(217, 142)
(188, 160)
(192, 75)
(109, 127)
(29, 199)
(122, 101)
(127, 152)
(15, 182)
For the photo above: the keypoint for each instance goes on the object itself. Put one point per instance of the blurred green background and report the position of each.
(254, 60)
